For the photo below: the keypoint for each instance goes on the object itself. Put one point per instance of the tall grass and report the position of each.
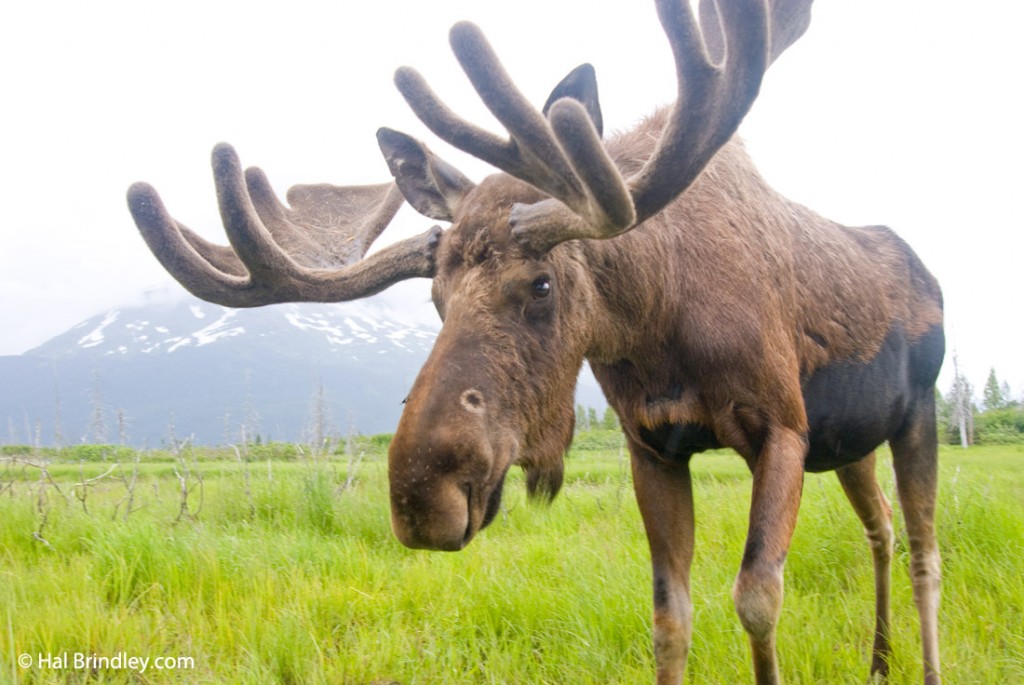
(294, 578)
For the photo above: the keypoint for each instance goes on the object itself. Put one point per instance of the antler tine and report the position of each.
(219, 257)
(533, 154)
(789, 21)
(248, 235)
(451, 127)
(540, 155)
(610, 207)
(183, 258)
(712, 100)
(313, 251)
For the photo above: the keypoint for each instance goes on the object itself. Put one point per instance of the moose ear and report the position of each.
(580, 85)
(432, 186)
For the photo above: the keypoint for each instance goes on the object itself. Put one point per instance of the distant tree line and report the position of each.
(998, 419)
(587, 420)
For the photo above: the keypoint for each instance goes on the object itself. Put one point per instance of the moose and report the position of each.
(713, 311)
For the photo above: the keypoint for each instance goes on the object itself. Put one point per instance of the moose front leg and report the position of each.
(778, 483)
(665, 496)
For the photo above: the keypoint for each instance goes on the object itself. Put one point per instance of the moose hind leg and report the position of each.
(915, 461)
(875, 513)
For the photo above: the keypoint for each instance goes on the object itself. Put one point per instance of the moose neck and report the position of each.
(652, 281)
(699, 286)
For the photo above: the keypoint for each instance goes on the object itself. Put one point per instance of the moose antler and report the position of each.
(313, 251)
(719, 67)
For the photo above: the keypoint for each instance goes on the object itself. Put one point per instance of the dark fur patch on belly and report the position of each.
(679, 441)
(853, 407)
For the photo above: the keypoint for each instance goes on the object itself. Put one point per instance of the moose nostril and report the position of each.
(472, 401)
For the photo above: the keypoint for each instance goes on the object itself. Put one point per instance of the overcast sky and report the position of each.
(906, 113)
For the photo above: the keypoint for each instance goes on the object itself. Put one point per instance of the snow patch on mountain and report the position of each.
(219, 329)
(315, 324)
(177, 342)
(96, 337)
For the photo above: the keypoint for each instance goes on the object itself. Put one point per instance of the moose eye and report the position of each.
(541, 288)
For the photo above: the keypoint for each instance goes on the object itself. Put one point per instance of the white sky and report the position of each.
(903, 112)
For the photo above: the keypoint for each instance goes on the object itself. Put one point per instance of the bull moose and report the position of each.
(713, 311)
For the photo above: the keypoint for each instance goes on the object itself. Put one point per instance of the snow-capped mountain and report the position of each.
(179, 364)
(340, 330)
(209, 371)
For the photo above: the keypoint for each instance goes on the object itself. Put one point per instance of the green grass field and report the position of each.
(284, 575)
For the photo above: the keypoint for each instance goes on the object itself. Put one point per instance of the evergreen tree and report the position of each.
(1008, 396)
(609, 421)
(993, 397)
(582, 422)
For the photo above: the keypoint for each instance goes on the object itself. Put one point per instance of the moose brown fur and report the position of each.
(713, 311)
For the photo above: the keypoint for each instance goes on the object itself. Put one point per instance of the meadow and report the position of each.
(244, 568)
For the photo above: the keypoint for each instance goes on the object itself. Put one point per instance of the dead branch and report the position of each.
(44, 473)
(354, 460)
(185, 490)
(81, 489)
(244, 463)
